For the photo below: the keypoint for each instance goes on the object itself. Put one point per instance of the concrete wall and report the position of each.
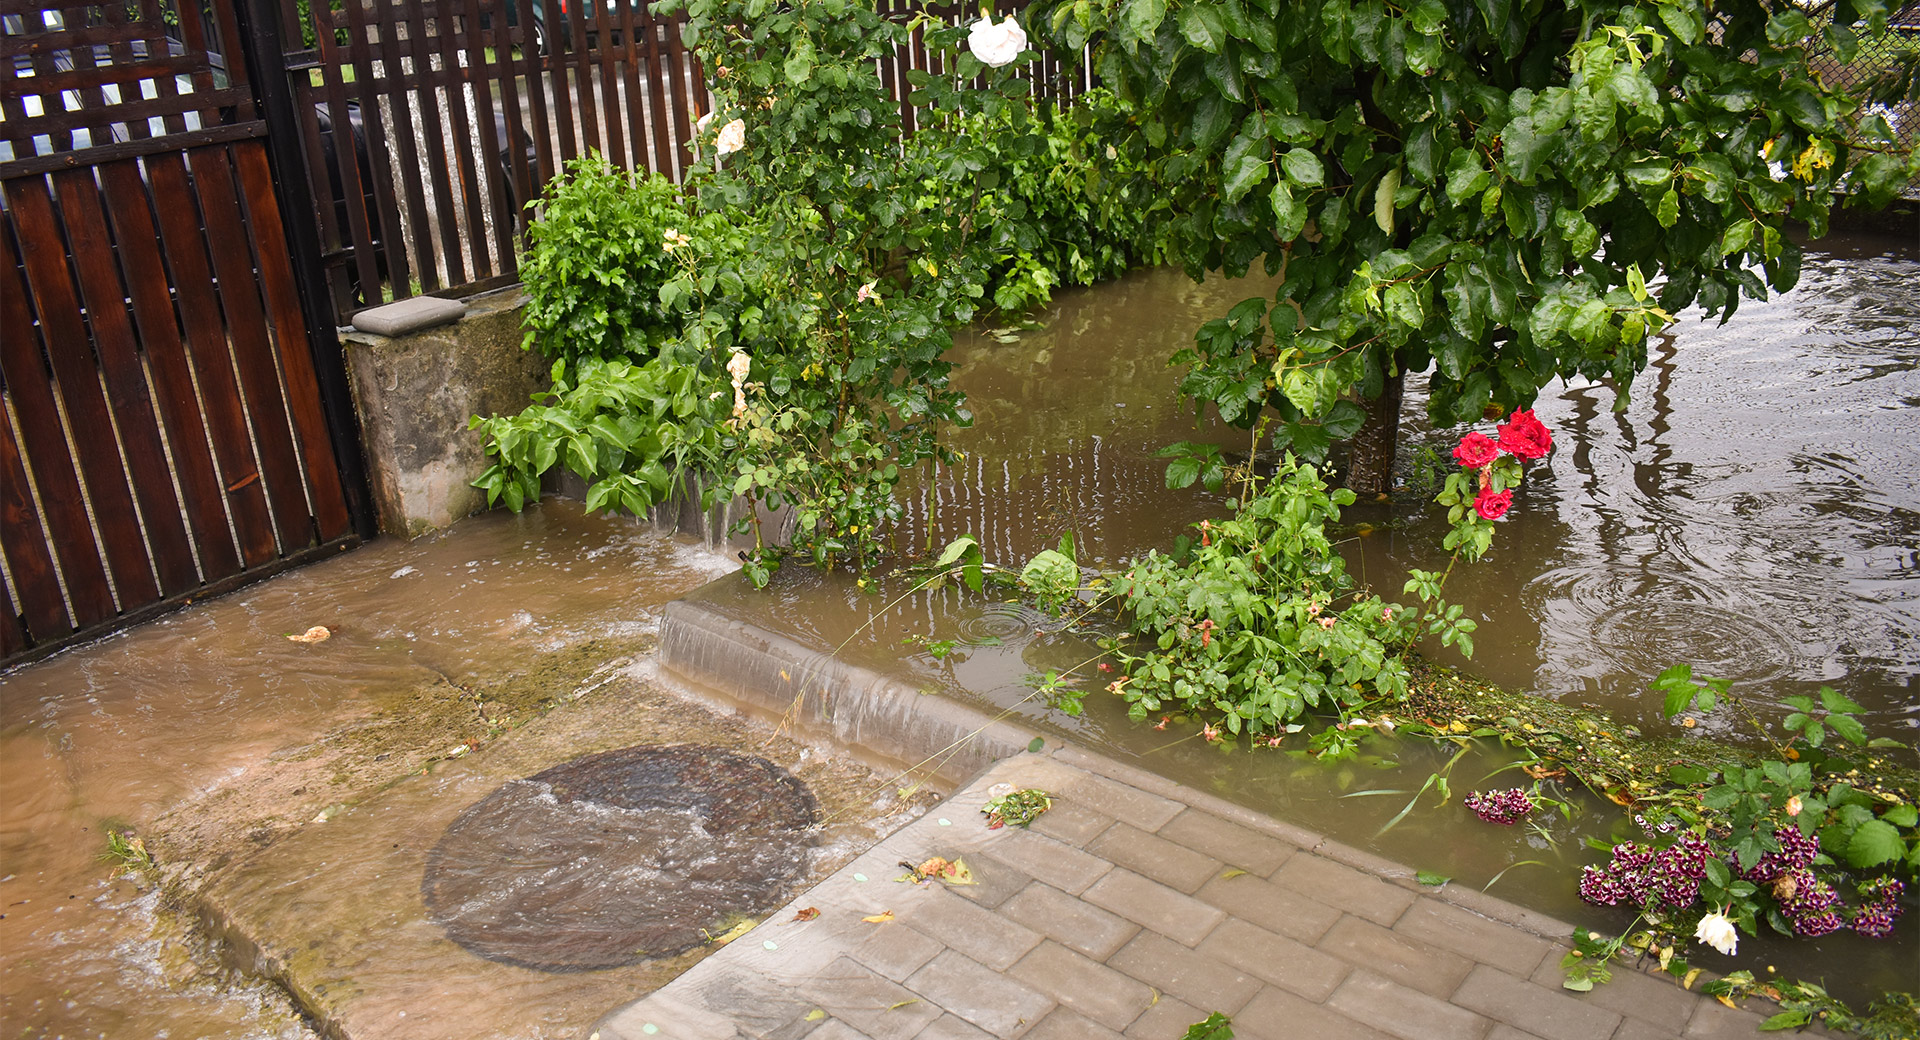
(415, 394)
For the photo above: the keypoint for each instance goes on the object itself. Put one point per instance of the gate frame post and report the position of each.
(260, 33)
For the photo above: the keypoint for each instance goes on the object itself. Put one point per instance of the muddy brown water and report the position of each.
(223, 742)
(1755, 512)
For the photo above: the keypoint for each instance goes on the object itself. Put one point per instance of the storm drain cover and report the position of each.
(619, 857)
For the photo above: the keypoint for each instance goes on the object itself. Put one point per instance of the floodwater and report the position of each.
(192, 708)
(1755, 513)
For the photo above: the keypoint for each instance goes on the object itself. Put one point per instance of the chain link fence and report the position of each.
(1874, 60)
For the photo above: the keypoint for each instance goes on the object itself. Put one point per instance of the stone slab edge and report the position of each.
(846, 703)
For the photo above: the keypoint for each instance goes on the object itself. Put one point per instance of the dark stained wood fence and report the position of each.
(461, 110)
(162, 435)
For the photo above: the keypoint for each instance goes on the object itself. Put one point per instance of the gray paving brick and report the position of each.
(1550, 1013)
(1087, 986)
(1713, 1020)
(1068, 921)
(896, 951)
(979, 933)
(1124, 802)
(1503, 1031)
(1228, 842)
(1067, 1024)
(1339, 885)
(1407, 1013)
(1275, 1014)
(1405, 960)
(1276, 958)
(998, 1003)
(1192, 976)
(865, 1000)
(1656, 999)
(996, 880)
(1153, 856)
(1049, 859)
(1071, 822)
(1167, 1019)
(834, 1029)
(1641, 1029)
(1143, 901)
(1273, 907)
(951, 1027)
(1465, 932)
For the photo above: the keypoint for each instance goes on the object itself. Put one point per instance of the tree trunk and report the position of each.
(1370, 466)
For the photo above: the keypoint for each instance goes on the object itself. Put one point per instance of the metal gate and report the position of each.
(163, 434)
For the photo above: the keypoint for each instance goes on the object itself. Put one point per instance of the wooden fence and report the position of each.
(428, 124)
(162, 432)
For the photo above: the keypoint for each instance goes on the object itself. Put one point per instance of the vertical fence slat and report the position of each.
(393, 246)
(206, 336)
(494, 188)
(635, 107)
(420, 91)
(656, 91)
(534, 61)
(329, 500)
(125, 377)
(357, 232)
(409, 163)
(24, 540)
(580, 61)
(608, 91)
(65, 338)
(452, 80)
(233, 266)
(131, 213)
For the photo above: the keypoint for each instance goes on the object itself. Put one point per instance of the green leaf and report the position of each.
(1143, 17)
(1875, 842)
(1036, 744)
(1902, 816)
(1244, 166)
(1214, 1027)
(1787, 1020)
(1304, 167)
(1383, 199)
(1203, 27)
(1428, 877)
(1669, 212)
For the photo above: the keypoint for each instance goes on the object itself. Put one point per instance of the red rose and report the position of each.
(1476, 450)
(1493, 506)
(1524, 436)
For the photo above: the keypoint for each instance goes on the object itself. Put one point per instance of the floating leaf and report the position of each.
(1428, 877)
(740, 928)
(1214, 1027)
(880, 918)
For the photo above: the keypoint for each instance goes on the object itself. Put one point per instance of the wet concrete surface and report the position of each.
(290, 791)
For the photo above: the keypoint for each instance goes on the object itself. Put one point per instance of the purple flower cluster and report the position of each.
(1797, 851)
(1808, 903)
(1502, 807)
(1875, 918)
(1639, 874)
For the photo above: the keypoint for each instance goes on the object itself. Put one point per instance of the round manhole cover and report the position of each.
(619, 857)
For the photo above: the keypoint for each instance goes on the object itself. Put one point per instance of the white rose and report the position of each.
(996, 45)
(1717, 931)
(738, 366)
(733, 137)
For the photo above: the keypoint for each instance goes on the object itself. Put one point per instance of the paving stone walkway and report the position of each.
(1134, 908)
